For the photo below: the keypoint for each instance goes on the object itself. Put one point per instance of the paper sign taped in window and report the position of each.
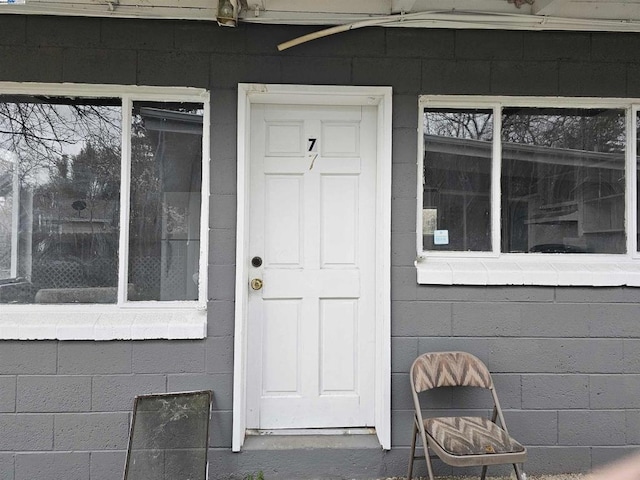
(429, 220)
(441, 237)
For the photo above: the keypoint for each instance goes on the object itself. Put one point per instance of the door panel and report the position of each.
(284, 239)
(339, 342)
(311, 327)
(339, 217)
(281, 370)
(284, 139)
(340, 139)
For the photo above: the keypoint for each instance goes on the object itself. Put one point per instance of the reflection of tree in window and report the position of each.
(87, 184)
(60, 163)
(56, 155)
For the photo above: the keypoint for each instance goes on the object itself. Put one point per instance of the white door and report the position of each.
(311, 326)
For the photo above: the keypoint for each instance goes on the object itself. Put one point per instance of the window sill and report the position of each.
(91, 322)
(533, 269)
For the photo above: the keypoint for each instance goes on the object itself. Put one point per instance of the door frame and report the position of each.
(379, 97)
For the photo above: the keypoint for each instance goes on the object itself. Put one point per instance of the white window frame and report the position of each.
(122, 320)
(552, 269)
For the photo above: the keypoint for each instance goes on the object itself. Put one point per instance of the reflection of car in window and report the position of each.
(557, 248)
(15, 290)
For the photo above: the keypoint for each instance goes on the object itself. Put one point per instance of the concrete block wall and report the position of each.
(566, 360)
(565, 368)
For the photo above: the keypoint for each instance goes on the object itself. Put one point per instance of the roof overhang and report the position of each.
(573, 15)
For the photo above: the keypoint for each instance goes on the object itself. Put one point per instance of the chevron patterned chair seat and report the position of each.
(470, 436)
(460, 441)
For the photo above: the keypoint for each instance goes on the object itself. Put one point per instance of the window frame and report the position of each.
(124, 319)
(554, 269)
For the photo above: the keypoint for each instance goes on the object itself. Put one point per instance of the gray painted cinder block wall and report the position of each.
(566, 360)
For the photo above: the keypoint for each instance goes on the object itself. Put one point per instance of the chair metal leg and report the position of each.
(519, 474)
(428, 459)
(484, 472)
(413, 450)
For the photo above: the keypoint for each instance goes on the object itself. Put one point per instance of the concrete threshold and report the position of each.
(311, 439)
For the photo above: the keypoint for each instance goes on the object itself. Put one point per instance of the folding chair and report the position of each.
(169, 437)
(460, 441)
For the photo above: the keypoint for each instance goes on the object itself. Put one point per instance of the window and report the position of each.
(59, 224)
(101, 200)
(527, 191)
(457, 179)
(164, 211)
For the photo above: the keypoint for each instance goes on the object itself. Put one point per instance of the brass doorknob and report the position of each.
(256, 284)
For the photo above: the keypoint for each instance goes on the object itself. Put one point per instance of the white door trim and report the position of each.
(317, 95)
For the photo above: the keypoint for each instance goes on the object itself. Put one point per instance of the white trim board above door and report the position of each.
(336, 120)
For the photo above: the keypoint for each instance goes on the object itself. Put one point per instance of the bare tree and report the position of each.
(467, 124)
(39, 132)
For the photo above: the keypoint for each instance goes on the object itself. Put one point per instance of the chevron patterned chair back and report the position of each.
(463, 440)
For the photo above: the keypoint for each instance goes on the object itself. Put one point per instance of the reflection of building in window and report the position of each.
(164, 227)
(561, 200)
(458, 184)
(553, 200)
(457, 177)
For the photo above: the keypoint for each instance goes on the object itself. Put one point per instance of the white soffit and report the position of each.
(160, 9)
(577, 15)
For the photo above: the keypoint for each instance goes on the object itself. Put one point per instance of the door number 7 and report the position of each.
(313, 148)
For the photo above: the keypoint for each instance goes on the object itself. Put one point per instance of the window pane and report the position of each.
(638, 181)
(563, 180)
(457, 180)
(166, 178)
(59, 199)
